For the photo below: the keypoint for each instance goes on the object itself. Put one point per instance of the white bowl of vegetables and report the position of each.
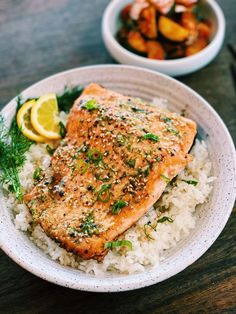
(176, 39)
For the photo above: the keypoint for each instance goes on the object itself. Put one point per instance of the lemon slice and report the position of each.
(44, 116)
(24, 123)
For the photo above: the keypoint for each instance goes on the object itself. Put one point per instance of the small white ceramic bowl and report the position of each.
(110, 25)
(211, 216)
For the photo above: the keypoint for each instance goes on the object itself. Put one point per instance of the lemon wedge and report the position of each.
(24, 123)
(44, 117)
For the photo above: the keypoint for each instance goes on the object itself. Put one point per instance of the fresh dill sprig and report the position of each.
(66, 100)
(13, 146)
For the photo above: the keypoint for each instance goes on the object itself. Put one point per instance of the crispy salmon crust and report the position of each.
(113, 165)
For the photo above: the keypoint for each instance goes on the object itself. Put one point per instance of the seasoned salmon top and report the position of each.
(113, 165)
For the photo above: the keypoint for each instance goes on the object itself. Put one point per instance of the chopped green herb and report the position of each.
(144, 171)
(90, 105)
(82, 166)
(117, 206)
(50, 150)
(159, 158)
(88, 226)
(137, 109)
(156, 204)
(104, 193)
(193, 182)
(72, 167)
(172, 130)
(130, 162)
(169, 127)
(164, 219)
(166, 119)
(94, 155)
(37, 173)
(152, 137)
(114, 244)
(146, 226)
(66, 100)
(62, 129)
(165, 178)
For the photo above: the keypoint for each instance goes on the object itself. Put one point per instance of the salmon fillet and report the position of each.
(113, 165)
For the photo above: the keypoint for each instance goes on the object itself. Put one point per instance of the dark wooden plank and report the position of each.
(41, 37)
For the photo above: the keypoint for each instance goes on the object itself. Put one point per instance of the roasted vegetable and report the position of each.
(204, 30)
(199, 44)
(189, 21)
(155, 50)
(174, 50)
(147, 22)
(171, 30)
(136, 41)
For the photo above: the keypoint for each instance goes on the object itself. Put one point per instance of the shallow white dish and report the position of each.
(110, 24)
(211, 218)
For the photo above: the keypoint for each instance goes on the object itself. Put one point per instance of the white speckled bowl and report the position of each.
(211, 218)
(175, 67)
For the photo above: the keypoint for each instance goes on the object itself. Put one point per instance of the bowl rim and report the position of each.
(133, 281)
(219, 36)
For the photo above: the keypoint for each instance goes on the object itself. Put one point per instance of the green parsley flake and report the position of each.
(118, 206)
(104, 193)
(130, 163)
(152, 137)
(62, 130)
(172, 130)
(82, 166)
(50, 150)
(193, 182)
(90, 105)
(94, 155)
(114, 244)
(164, 219)
(164, 178)
(37, 173)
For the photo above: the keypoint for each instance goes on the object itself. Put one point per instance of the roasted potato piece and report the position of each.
(204, 30)
(136, 41)
(155, 50)
(199, 44)
(171, 30)
(147, 22)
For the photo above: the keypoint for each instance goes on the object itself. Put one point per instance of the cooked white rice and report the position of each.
(179, 200)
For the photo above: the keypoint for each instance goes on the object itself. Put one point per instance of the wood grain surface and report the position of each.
(41, 37)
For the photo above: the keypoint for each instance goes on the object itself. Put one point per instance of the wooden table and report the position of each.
(41, 37)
